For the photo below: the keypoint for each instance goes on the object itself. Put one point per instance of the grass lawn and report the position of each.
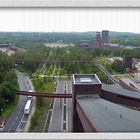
(42, 105)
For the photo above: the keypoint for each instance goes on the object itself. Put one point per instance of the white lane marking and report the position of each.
(46, 121)
(13, 123)
(52, 115)
(18, 112)
(66, 114)
(62, 122)
(20, 122)
(16, 117)
(62, 118)
(52, 110)
(68, 108)
(23, 121)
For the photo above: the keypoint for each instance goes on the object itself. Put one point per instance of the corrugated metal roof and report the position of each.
(110, 117)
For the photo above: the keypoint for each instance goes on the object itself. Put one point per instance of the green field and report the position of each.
(42, 104)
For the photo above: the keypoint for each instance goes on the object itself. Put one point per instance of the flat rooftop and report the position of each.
(109, 117)
(121, 91)
(86, 79)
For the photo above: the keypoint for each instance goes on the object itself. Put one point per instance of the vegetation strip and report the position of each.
(42, 104)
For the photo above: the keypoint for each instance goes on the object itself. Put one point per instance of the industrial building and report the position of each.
(103, 108)
(101, 40)
(128, 61)
(87, 44)
(8, 49)
(99, 115)
(83, 84)
(105, 36)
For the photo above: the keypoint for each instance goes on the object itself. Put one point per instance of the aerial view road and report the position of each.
(68, 108)
(56, 119)
(61, 113)
(17, 120)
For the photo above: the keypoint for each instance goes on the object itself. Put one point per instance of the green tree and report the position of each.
(2, 104)
(8, 91)
(118, 66)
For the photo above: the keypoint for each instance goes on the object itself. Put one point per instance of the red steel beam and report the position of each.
(42, 92)
(49, 95)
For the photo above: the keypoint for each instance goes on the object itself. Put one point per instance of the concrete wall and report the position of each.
(81, 89)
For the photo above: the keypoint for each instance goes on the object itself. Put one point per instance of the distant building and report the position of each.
(105, 36)
(132, 47)
(99, 42)
(112, 59)
(7, 48)
(87, 43)
(128, 61)
(114, 45)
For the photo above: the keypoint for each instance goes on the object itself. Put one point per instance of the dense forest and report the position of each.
(8, 81)
(72, 59)
(35, 39)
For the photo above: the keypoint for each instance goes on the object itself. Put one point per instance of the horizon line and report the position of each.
(67, 31)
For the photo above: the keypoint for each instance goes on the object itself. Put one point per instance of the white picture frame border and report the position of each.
(69, 3)
(76, 4)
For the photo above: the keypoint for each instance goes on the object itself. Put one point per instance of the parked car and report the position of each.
(2, 124)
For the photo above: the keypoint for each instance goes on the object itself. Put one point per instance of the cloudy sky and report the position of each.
(68, 19)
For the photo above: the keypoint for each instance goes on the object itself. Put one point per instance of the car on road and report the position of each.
(2, 124)
(30, 97)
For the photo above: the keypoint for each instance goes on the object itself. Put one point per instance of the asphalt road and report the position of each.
(61, 118)
(69, 107)
(17, 116)
(56, 118)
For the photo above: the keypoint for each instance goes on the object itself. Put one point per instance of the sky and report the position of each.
(69, 20)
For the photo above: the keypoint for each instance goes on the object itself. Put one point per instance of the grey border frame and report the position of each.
(70, 3)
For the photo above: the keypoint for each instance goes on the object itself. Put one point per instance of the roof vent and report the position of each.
(85, 80)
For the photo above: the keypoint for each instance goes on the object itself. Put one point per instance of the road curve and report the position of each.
(18, 114)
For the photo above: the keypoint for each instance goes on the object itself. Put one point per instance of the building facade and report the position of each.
(105, 36)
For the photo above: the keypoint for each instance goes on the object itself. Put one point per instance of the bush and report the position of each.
(34, 120)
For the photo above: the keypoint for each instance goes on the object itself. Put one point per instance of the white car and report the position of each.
(30, 97)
